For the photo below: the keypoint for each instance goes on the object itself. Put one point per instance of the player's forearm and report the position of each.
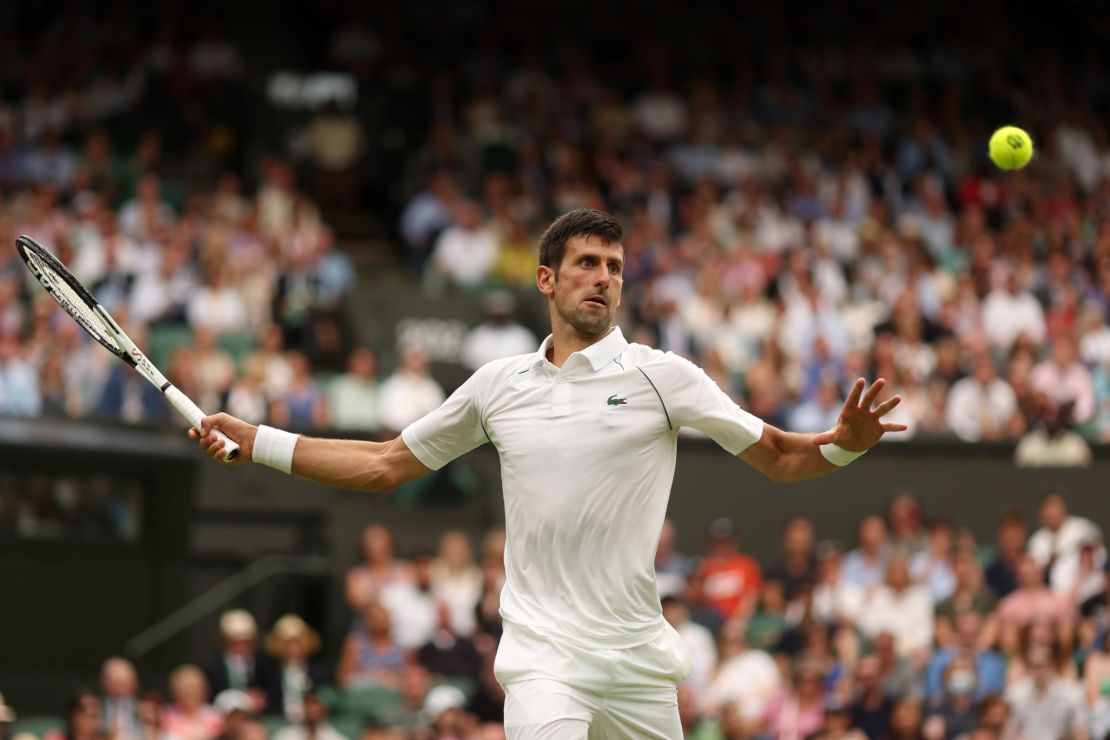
(800, 459)
(345, 463)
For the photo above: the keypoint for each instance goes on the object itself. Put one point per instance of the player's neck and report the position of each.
(566, 340)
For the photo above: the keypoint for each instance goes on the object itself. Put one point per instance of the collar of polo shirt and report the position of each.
(598, 354)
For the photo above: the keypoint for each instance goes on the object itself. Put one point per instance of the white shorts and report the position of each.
(557, 691)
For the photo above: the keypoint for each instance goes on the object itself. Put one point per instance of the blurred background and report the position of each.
(324, 216)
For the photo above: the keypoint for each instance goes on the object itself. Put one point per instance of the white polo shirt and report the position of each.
(587, 461)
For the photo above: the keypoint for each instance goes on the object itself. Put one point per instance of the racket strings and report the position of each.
(73, 304)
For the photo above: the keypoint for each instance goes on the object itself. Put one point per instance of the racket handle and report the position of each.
(192, 412)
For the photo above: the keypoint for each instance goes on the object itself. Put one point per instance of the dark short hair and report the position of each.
(579, 222)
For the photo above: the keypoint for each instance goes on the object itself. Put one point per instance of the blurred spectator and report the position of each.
(699, 643)
(971, 595)
(820, 412)
(498, 336)
(303, 405)
(954, 713)
(370, 656)
(1065, 381)
(84, 719)
(149, 713)
(410, 392)
(466, 252)
(988, 665)
(769, 621)
(333, 143)
(292, 643)
(835, 600)
(932, 567)
(216, 304)
(1044, 704)
(314, 725)
(797, 567)
(430, 212)
(120, 687)
(355, 395)
(1050, 443)
(19, 386)
(247, 399)
(982, 406)
(1010, 312)
(671, 566)
(731, 580)
(379, 567)
(456, 581)
(239, 664)
(448, 653)
(908, 535)
(872, 709)
(1032, 601)
(902, 609)
(866, 566)
(188, 716)
(1001, 572)
(905, 720)
(209, 369)
(799, 711)
(1059, 545)
(745, 677)
(412, 604)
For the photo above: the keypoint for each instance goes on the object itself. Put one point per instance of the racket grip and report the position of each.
(192, 412)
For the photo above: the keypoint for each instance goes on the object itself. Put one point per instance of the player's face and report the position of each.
(586, 289)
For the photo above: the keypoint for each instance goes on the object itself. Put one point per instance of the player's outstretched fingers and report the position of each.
(872, 394)
(852, 401)
(887, 406)
(892, 427)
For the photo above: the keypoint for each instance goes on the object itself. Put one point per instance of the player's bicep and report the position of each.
(453, 429)
(401, 463)
(694, 400)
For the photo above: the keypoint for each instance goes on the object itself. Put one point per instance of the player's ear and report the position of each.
(545, 280)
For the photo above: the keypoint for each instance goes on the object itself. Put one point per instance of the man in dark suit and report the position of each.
(239, 664)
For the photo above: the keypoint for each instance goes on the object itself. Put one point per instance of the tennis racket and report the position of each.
(80, 304)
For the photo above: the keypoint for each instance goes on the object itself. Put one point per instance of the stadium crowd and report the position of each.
(791, 224)
(916, 632)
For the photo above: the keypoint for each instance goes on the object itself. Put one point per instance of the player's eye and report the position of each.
(614, 268)
(586, 262)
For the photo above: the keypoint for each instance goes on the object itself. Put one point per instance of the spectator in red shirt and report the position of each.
(731, 580)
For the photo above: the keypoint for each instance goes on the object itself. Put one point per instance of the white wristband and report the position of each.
(838, 455)
(274, 448)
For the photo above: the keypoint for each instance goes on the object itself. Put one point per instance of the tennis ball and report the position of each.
(1011, 148)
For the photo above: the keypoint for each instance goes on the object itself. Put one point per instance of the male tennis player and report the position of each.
(586, 429)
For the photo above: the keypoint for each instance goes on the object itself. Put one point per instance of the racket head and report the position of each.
(71, 295)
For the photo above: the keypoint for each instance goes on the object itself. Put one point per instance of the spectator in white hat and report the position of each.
(239, 665)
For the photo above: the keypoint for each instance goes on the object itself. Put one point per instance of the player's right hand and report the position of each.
(236, 429)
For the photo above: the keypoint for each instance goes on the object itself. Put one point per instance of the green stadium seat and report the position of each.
(371, 704)
(163, 341)
(237, 344)
(36, 725)
(273, 723)
(348, 726)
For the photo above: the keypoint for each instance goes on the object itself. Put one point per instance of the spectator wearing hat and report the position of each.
(239, 664)
(731, 581)
(291, 643)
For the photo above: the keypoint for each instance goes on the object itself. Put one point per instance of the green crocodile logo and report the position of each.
(614, 401)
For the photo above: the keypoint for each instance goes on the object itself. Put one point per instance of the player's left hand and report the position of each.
(860, 426)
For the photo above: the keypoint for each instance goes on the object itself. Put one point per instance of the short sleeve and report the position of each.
(450, 431)
(693, 399)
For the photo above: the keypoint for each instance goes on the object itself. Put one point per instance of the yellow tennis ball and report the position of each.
(1011, 148)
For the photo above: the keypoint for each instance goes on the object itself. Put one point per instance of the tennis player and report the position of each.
(586, 430)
